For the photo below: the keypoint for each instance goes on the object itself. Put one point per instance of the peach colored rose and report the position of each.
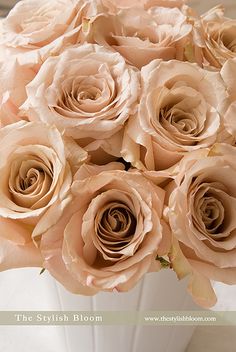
(36, 166)
(109, 233)
(179, 112)
(142, 35)
(14, 77)
(219, 37)
(89, 93)
(36, 29)
(202, 217)
(201, 47)
(195, 48)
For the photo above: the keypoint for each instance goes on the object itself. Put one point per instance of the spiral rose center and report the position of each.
(29, 181)
(75, 98)
(179, 117)
(92, 94)
(209, 215)
(32, 176)
(118, 220)
(181, 120)
(212, 213)
(83, 96)
(115, 230)
(228, 38)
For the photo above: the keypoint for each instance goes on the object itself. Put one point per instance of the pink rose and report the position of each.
(219, 37)
(34, 29)
(89, 93)
(36, 166)
(109, 233)
(142, 35)
(202, 217)
(195, 48)
(179, 112)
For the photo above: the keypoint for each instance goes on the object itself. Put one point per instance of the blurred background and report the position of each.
(5, 6)
(202, 6)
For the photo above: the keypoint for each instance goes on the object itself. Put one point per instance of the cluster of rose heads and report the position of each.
(117, 153)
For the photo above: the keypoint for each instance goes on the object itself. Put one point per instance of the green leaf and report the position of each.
(42, 271)
(164, 263)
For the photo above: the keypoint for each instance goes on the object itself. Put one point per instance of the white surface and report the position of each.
(202, 6)
(24, 289)
(213, 339)
(217, 338)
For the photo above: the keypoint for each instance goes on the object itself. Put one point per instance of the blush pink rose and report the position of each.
(179, 112)
(142, 35)
(89, 93)
(202, 217)
(109, 233)
(36, 166)
(36, 29)
(219, 33)
(196, 49)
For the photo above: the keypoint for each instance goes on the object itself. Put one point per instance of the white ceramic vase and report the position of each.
(157, 291)
(25, 289)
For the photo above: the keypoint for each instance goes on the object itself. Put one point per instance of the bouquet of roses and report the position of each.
(117, 153)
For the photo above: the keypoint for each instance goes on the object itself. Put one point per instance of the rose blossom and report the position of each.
(196, 49)
(178, 113)
(202, 218)
(109, 233)
(142, 35)
(219, 37)
(36, 167)
(211, 40)
(88, 92)
(36, 29)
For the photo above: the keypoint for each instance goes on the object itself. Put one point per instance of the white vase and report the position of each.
(157, 291)
(25, 289)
